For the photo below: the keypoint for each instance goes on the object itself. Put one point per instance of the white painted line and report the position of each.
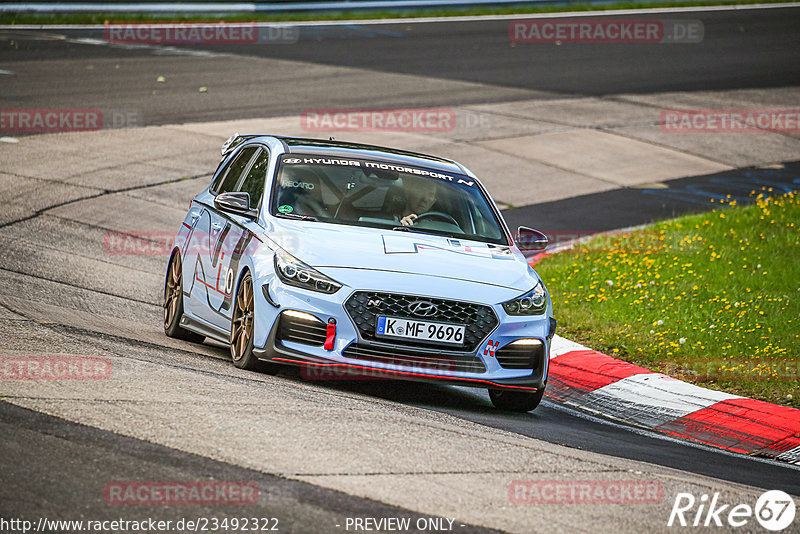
(650, 399)
(7, 72)
(249, 7)
(8, 140)
(157, 49)
(90, 7)
(564, 14)
(472, 18)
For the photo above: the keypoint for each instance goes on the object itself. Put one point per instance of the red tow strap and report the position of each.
(330, 334)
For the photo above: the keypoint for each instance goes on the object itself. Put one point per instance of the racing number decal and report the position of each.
(233, 267)
(200, 272)
(219, 285)
(225, 275)
(228, 280)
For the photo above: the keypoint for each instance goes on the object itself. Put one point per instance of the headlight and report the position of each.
(294, 272)
(531, 303)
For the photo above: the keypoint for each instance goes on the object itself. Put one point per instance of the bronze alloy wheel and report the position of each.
(173, 302)
(242, 329)
(242, 325)
(172, 291)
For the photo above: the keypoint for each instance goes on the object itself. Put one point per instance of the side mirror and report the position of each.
(237, 203)
(530, 239)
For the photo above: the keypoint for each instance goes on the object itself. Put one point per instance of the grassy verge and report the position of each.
(102, 18)
(713, 299)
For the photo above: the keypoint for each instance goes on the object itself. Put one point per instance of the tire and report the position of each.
(515, 401)
(242, 330)
(173, 303)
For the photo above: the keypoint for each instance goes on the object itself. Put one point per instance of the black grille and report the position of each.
(301, 331)
(420, 359)
(519, 356)
(363, 307)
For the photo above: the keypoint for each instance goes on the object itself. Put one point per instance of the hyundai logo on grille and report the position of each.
(423, 308)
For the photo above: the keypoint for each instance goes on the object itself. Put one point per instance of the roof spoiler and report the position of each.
(234, 141)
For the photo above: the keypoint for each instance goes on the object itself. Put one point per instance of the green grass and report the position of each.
(101, 18)
(713, 299)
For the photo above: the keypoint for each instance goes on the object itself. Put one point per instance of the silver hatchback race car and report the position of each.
(380, 262)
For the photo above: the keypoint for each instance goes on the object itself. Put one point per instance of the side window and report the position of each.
(229, 177)
(253, 184)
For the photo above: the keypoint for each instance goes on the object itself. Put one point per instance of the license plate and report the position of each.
(451, 334)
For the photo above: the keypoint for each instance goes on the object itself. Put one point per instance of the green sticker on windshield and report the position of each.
(285, 208)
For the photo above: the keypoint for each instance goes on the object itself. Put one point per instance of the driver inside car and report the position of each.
(420, 198)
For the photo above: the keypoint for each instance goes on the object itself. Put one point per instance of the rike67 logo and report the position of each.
(774, 510)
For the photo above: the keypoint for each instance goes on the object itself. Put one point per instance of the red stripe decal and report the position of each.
(210, 286)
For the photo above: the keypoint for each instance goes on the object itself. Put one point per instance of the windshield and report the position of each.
(383, 195)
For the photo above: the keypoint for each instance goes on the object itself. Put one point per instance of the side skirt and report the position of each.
(205, 328)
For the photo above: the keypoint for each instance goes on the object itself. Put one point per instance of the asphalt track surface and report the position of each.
(72, 461)
(761, 48)
(750, 48)
(629, 207)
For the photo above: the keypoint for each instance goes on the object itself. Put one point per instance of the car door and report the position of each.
(235, 233)
(208, 288)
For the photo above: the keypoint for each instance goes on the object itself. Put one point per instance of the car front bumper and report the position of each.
(496, 361)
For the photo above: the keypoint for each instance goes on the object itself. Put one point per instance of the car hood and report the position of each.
(322, 245)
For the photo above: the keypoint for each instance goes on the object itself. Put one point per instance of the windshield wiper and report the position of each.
(418, 231)
(297, 217)
(407, 229)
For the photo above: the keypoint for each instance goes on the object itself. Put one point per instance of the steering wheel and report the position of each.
(438, 215)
